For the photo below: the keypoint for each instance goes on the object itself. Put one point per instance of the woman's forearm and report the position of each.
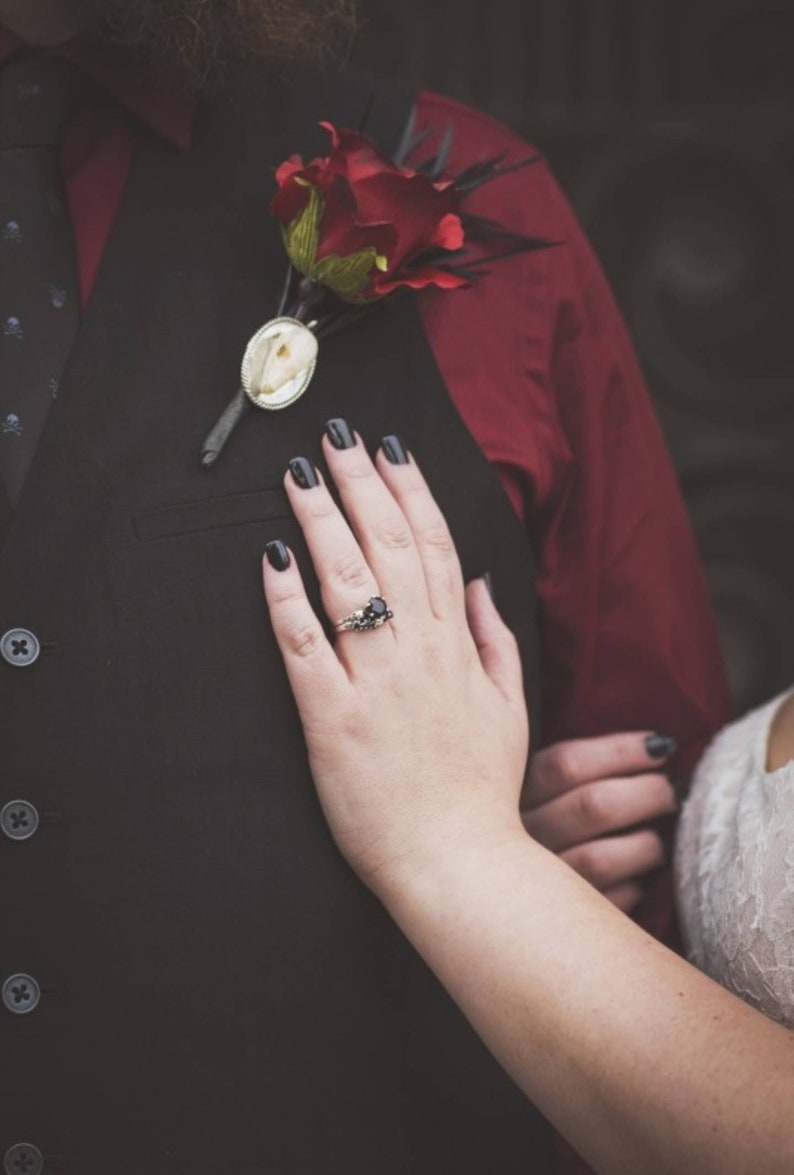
(642, 1062)
(645, 1065)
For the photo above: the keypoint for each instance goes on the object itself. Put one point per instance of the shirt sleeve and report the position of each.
(539, 363)
(537, 359)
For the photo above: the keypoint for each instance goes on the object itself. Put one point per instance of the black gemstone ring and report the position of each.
(374, 615)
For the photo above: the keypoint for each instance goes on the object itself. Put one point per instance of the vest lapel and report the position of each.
(177, 258)
(209, 959)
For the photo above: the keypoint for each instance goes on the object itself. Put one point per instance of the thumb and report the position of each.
(495, 642)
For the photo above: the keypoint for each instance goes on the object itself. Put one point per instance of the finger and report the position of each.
(616, 859)
(596, 809)
(315, 673)
(569, 764)
(626, 897)
(381, 527)
(346, 579)
(495, 642)
(436, 548)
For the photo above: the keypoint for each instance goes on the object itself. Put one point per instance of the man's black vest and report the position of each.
(219, 993)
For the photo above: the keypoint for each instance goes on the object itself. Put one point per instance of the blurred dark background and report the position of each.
(670, 124)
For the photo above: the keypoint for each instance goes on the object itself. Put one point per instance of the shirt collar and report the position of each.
(166, 109)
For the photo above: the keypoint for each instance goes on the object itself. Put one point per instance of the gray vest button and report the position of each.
(18, 820)
(21, 994)
(19, 647)
(23, 1159)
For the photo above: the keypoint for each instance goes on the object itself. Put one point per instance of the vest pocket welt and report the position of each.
(211, 513)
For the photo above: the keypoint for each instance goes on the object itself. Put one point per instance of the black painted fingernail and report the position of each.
(303, 473)
(488, 580)
(395, 450)
(660, 746)
(277, 555)
(339, 433)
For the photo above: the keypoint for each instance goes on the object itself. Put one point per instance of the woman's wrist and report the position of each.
(452, 852)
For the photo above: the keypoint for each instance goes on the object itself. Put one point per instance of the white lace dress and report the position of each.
(735, 868)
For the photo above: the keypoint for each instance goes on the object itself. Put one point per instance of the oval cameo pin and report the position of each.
(279, 363)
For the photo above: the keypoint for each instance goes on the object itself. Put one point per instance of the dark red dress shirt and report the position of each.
(538, 362)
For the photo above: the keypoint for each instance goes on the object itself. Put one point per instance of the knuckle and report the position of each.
(593, 806)
(320, 506)
(565, 761)
(359, 470)
(438, 541)
(283, 594)
(303, 640)
(393, 534)
(412, 484)
(351, 571)
(593, 863)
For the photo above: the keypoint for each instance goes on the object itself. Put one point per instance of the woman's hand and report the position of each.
(417, 731)
(418, 739)
(593, 801)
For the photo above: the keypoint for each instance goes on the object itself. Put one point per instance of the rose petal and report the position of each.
(419, 279)
(412, 205)
(369, 202)
(290, 201)
(449, 233)
(288, 168)
(340, 231)
(356, 156)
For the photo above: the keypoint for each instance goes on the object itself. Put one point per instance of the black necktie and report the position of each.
(39, 310)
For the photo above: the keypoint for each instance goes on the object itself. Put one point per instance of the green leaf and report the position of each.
(302, 236)
(346, 276)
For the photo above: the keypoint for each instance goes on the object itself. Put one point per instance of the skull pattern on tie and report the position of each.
(39, 310)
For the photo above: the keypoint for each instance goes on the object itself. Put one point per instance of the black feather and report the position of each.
(520, 245)
(411, 141)
(496, 173)
(482, 168)
(404, 150)
(364, 123)
(442, 155)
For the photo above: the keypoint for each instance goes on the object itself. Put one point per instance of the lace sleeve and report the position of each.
(735, 868)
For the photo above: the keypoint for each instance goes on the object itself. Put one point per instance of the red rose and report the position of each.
(361, 225)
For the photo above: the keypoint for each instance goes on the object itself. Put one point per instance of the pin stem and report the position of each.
(223, 428)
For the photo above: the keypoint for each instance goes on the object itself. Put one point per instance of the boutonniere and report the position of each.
(359, 230)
